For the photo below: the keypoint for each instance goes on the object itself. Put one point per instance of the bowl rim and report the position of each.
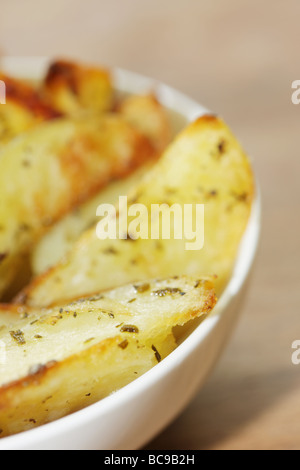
(131, 82)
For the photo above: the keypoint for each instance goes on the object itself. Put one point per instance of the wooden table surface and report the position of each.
(239, 58)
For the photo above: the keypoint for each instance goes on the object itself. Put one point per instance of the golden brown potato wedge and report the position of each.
(23, 110)
(63, 359)
(71, 88)
(150, 118)
(52, 169)
(205, 165)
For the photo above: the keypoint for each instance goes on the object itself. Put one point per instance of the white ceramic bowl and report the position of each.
(131, 417)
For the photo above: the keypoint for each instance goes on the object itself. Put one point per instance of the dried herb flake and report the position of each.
(18, 336)
(129, 329)
(168, 291)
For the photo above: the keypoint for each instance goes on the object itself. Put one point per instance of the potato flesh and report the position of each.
(92, 347)
(205, 165)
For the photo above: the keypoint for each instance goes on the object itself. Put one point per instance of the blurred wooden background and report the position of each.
(239, 58)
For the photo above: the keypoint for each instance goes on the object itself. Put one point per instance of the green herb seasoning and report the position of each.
(141, 289)
(89, 340)
(157, 355)
(168, 291)
(18, 336)
(129, 329)
(124, 344)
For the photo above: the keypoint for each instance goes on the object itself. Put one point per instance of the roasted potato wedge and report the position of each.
(71, 88)
(204, 165)
(147, 115)
(53, 169)
(23, 110)
(63, 359)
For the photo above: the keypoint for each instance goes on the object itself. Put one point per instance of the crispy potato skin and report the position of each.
(205, 165)
(82, 352)
(71, 88)
(53, 169)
